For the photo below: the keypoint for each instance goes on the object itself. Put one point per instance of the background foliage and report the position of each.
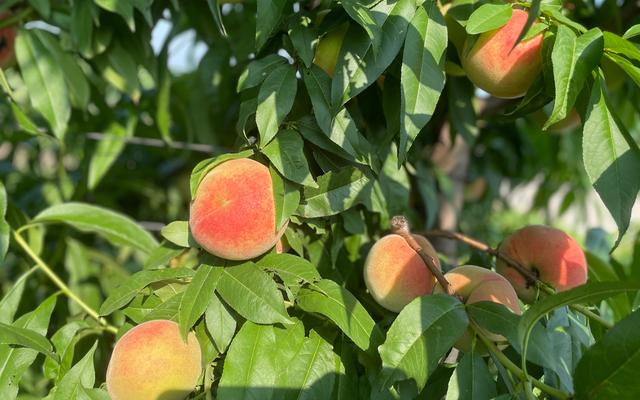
(107, 132)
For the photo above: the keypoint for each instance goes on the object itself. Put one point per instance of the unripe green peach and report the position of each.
(328, 49)
(7, 42)
(549, 253)
(475, 284)
(395, 274)
(233, 214)
(152, 361)
(495, 66)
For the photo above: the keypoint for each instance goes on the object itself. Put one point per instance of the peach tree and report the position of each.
(274, 199)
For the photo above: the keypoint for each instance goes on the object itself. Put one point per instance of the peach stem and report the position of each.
(400, 226)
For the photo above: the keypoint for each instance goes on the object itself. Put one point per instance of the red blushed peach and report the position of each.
(475, 284)
(7, 43)
(152, 361)
(395, 274)
(495, 66)
(233, 214)
(552, 255)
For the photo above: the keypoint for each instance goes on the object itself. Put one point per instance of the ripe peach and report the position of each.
(474, 284)
(152, 361)
(552, 255)
(328, 49)
(395, 274)
(7, 43)
(233, 214)
(495, 66)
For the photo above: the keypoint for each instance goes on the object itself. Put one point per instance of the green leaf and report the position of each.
(204, 166)
(119, 68)
(341, 307)
(573, 60)
(533, 14)
(168, 310)
(627, 66)
(471, 380)
(365, 18)
(197, 296)
(286, 154)
(11, 300)
(162, 255)
(163, 107)
(220, 323)
(422, 333)
(615, 44)
(14, 335)
(632, 32)
(5, 229)
(43, 7)
(124, 293)
(250, 369)
(318, 86)
(422, 73)
(309, 374)
(82, 375)
(77, 84)
(123, 8)
(258, 70)
(253, 294)
(45, 81)
(488, 17)
(108, 150)
(293, 270)
(611, 368)
(64, 341)
(177, 232)
(286, 197)
(14, 362)
(336, 192)
(217, 16)
(462, 115)
(611, 163)
(81, 26)
(358, 66)
(303, 37)
(588, 293)
(115, 227)
(275, 99)
(270, 13)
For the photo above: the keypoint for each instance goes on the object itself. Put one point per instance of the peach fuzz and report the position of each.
(395, 274)
(552, 255)
(475, 284)
(233, 215)
(152, 361)
(495, 66)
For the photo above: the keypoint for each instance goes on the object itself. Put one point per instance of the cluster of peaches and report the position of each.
(237, 222)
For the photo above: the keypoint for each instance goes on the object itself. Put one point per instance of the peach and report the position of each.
(328, 49)
(475, 284)
(494, 65)
(7, 40)
(233, 214)
(552, 255)
(395, 274)
(152, 361)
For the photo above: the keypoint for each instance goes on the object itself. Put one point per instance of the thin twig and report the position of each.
(151, 142)
(530, 278)
(400, 226)
(61, 285)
